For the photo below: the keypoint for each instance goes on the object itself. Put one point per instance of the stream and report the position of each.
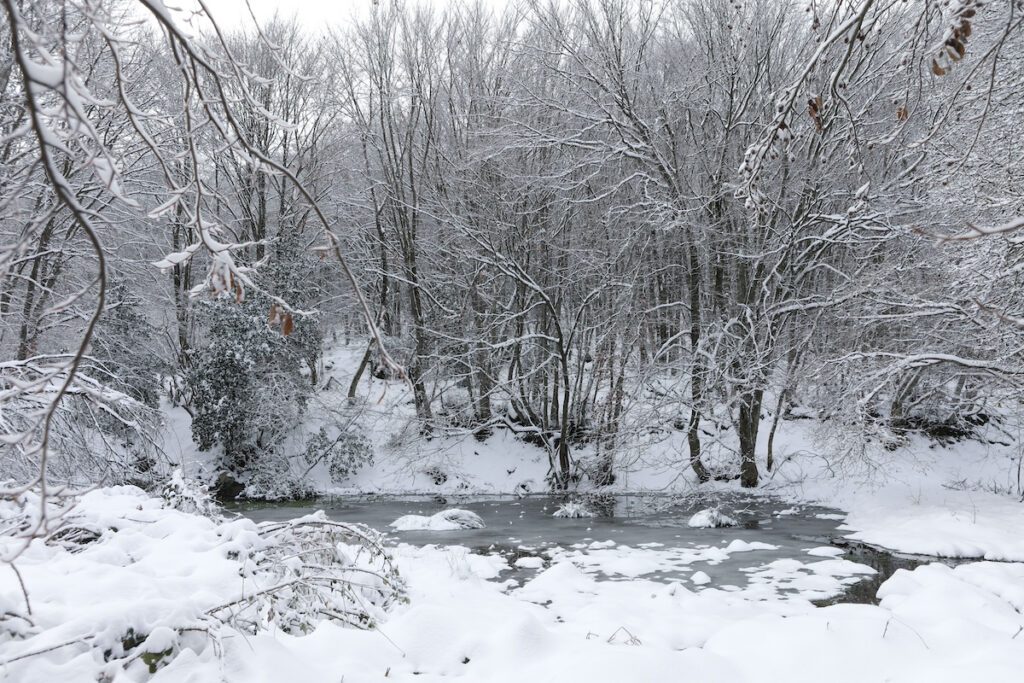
(627, 526)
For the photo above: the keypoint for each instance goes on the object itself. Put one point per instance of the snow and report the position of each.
(598, 611)
(813, 580)
(529, 562)
(446, 520)
(149, 579)
(979, 526)
(565, 624)
(156, 570)
(700, 578)
(923, 499)
(711, 518)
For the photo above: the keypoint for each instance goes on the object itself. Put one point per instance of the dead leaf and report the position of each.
(955, 49)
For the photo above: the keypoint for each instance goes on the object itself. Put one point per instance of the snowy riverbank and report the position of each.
(141, 593)
(142, 596)
(956, 499)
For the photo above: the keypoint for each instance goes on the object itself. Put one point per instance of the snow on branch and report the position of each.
(974, 232)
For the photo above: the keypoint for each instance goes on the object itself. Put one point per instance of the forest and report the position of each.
(571, 248)
(582, 223)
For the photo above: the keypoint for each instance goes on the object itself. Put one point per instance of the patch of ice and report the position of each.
(529, 563)
(611, 559)
(741, 546)
(812, 581)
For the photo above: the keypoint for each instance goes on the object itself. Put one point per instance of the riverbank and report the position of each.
(956, 498)
(593, 613)
(142, 598)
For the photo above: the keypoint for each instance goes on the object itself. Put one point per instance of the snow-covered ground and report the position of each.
(566, 626)
(140, 594)
(144, 587)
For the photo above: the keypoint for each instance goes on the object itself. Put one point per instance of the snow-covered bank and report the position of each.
(935, 624)
(912, 495)
(140, 595)
(953, 501)
(127, 583)
(957, 500)
(594, 613)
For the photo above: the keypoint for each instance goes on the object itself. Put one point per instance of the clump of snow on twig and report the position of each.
(573, 510)
(311, 569)
(189, 496)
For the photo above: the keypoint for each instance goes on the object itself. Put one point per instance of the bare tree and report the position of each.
(66, 136)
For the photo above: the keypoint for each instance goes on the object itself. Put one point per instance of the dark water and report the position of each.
(526, 528)
(885, 564)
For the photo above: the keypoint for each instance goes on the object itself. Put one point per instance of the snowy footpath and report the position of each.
(144, 592)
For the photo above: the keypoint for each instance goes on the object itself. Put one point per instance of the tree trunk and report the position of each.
(562, 481)
(359, 371)
(696, 371)
(747, 425)
(770, 461)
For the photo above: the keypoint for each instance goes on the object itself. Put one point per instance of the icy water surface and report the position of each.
(667, 549)
(633, 520)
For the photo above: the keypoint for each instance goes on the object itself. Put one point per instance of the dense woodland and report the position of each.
(585, 222)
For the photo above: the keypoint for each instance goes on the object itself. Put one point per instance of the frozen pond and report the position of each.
(789, 547)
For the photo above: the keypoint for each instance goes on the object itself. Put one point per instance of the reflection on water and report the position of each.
(885, 563)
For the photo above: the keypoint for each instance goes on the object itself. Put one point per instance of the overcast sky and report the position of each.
(312, 12)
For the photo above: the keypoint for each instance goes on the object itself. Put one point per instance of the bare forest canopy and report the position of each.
(587, 222)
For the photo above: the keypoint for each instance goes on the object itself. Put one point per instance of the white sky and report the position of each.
(311, 12)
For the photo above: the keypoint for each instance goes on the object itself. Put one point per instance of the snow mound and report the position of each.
(530, 563)
(446, 520)
(700, 578)
(711, 518)
(573, 510)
